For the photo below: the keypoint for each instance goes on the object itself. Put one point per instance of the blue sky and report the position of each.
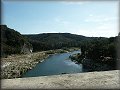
(88, 18)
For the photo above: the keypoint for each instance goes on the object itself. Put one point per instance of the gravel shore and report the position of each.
(14, 66)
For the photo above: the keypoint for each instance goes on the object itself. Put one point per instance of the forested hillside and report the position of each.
(47, 41)
(99, 54)
(11, 41)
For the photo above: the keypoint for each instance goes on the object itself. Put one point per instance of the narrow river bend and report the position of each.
(54, 65)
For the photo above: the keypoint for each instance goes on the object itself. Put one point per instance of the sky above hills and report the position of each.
(88, 18)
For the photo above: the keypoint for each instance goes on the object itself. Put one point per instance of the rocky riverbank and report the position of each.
(104, 64)
(15, 65)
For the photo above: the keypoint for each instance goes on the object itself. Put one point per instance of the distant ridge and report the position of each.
(47, 41)
(12, 40)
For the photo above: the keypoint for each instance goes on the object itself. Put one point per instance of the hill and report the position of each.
(12, 42)
(47, 41)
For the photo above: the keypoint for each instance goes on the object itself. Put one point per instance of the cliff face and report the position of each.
(26, 48)
(12, 42)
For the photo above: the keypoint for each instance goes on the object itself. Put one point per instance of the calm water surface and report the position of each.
(54, 65)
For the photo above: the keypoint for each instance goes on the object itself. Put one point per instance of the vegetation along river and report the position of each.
(54, 65)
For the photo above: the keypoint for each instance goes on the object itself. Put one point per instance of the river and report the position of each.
(54, 65)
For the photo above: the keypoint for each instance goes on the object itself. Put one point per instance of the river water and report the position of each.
(54, 65)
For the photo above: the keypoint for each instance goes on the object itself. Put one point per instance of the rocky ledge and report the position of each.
(91, 80)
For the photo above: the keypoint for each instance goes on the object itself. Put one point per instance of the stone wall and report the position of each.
(91, 80)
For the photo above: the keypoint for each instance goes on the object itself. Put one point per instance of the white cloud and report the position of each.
(108, 28)
(104, 25)
(62, 21)
(101, 27)
(104, 29)
(58, 19)
(74, 2)
(99, 18)
(95, 32)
